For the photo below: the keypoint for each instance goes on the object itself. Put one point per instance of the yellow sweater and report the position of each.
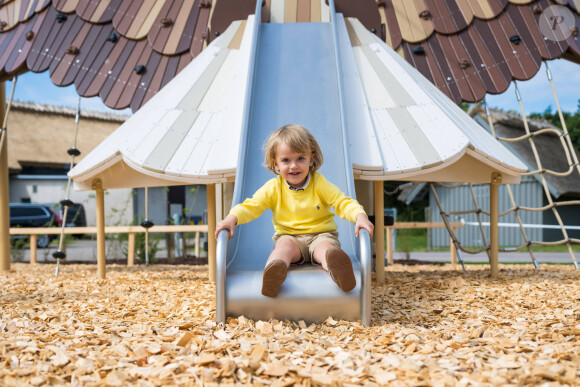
(299, 212)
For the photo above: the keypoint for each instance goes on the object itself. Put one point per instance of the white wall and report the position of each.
(118, 203)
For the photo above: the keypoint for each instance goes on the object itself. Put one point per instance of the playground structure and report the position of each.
(375, 114)
(190, 135)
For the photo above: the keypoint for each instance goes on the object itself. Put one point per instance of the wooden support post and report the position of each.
(390, 245)
(493, 224)
(131, 249)
(197, 241)
(211, 223)
(33, 249)
(452, 250)
(4, 192)
(101, 258)
(379, 205)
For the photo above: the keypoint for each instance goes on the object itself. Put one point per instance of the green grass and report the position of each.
(416, 240)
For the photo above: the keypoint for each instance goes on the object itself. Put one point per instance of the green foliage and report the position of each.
(154, 239)
(572, 121)
(17, 249)
(414, 212)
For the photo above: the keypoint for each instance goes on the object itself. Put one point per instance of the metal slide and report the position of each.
(293, 79)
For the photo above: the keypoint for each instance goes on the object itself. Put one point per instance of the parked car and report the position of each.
(75, 217)
(34, 215)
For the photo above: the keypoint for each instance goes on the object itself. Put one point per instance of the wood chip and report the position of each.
(186, 338)
(431, 325)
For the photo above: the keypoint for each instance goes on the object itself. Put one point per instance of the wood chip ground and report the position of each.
(155, 326)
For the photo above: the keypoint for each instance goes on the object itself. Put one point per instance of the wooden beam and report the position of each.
(108, 229)
(4, 191)
(131, 249)
(401, 225)
(101, 257)
(379, 230)
(33, 249)
(493, 224)
(211, 223)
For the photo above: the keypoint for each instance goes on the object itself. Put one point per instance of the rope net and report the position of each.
(540, 173)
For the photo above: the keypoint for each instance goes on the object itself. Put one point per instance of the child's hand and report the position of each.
(362, 221)
(229, 223)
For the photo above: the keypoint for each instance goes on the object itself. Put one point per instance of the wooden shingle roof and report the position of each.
(125, 51)
(399, 125)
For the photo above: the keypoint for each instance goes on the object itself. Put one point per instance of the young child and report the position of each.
(300, 199)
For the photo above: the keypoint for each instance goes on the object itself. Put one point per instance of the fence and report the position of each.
(33, 233)
(132, 230)
(409, 225)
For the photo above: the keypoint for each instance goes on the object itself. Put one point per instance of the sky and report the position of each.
(536, 93)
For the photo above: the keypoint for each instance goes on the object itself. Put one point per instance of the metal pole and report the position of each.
(101, 258)
(4, 192)
(379, 231)
(211, 223)
(493, 224)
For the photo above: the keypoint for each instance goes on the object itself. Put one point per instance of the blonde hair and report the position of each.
(299, 139)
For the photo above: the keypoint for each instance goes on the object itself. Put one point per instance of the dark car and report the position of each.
(34, 215)
(75, 217)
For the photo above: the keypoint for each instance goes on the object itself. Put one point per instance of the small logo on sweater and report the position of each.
(317, 207)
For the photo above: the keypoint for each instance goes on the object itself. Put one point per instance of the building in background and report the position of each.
(40, 136)
(529, 193)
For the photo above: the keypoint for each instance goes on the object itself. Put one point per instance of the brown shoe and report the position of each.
(274, 275)
(340, 268)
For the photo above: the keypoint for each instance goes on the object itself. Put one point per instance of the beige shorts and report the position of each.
(308, 242)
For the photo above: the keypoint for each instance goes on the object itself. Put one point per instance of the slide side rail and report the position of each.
(220, 275)
(365, 274)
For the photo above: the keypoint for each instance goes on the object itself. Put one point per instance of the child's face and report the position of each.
(294, 167)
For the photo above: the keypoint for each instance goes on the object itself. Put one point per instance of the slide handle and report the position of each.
(365, 263)
(220, 276)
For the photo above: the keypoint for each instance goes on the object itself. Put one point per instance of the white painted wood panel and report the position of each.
(403, 74)
(364, 150)
(179, 86)
(139, 154)
(198, 89)
(376, 94)
(395, 150)
(232, 114)
(324, 11)
(223, 157)
(364, 35)
(196, 163)
(139, 129)
(277, 11)
(424, 151)
(189, 144)
(217, 93)
(226, 37)
(95, 158)
(173, 138)
(397, 92)
(447, 140)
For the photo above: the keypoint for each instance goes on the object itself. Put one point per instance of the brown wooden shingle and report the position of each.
(467, 51)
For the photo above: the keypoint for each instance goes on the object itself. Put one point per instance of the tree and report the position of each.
(572, 122)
